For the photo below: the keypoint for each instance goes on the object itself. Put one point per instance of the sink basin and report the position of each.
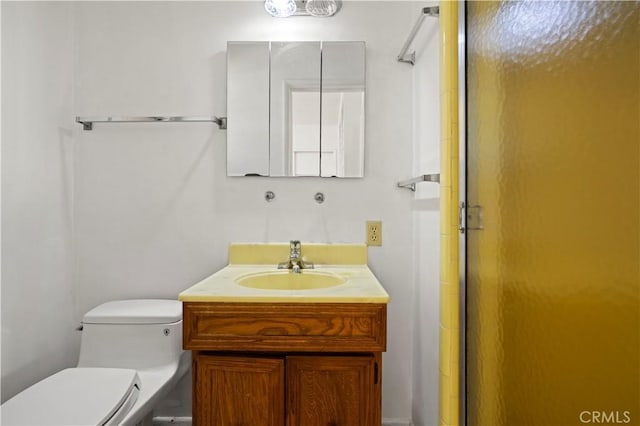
(287, 280)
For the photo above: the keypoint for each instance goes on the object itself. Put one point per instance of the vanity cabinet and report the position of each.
(293, 364)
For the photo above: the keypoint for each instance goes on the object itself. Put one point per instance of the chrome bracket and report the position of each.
(221, 122)
(409, 58)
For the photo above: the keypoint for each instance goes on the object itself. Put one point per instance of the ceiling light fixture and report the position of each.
(280, 8)
(322, 8)
(317, 8)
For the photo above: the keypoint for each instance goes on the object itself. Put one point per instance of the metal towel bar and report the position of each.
(87, 122)
(411, 58)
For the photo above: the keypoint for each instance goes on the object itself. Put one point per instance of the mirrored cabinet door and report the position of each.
(248, 108)
(343, 82)
(295, 109)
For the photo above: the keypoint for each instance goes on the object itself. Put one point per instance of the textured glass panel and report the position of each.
(553, 303)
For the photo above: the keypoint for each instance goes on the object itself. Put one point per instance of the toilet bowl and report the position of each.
(130, 357)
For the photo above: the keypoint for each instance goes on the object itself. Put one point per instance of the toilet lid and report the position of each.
(75, 396)
(140, 311)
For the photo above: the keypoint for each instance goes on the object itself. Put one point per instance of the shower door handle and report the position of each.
(461, 217)
(470, 218)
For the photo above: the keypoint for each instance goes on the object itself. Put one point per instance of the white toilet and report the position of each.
(130, 357)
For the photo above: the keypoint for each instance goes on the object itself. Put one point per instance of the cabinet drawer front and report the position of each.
(353, 327)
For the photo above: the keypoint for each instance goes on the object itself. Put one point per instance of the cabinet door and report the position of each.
(239, 391)
(332, 391)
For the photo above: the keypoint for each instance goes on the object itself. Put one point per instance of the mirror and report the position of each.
(295, 109)
(248, 104)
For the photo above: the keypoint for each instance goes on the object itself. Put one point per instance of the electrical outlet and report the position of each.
(374, 233)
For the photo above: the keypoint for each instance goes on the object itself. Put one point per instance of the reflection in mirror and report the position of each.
(295, 109)
(304, 127)
(343, 83)
(248, 108)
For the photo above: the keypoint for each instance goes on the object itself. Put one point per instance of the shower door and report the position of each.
(553, 162)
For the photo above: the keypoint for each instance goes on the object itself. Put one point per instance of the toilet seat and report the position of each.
(75, 396)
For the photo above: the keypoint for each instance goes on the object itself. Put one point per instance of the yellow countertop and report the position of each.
(360, 285)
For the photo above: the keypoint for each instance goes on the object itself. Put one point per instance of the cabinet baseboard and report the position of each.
(396, 422)
(178, 421)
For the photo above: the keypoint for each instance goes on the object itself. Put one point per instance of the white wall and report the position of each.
(38, 297)
(426, 219)
(153, 209)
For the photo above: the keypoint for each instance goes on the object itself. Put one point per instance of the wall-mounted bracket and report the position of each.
(411, 183)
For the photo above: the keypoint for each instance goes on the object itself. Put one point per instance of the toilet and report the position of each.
(130, 357)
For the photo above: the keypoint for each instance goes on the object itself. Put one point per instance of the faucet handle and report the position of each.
(294, 244)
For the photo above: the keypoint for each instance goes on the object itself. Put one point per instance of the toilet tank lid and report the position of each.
(140, 311)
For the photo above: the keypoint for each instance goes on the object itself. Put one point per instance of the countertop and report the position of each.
(361, 285)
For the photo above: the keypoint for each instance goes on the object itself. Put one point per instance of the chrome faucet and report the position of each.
(295, 262)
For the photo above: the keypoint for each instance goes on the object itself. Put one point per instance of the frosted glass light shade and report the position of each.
(322, 7)
(280, 8)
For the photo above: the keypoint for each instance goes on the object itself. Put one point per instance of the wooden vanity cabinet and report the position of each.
(309, 365)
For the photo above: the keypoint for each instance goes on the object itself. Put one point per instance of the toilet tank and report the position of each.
(136, 334)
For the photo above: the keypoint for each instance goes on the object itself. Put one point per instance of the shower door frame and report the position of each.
(462, 213)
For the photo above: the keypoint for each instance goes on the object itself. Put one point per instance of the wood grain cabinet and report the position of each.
(310, 365)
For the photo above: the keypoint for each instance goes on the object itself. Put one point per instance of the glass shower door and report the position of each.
(553, 161)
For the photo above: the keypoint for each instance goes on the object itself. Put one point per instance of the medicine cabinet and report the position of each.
(295, 108)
